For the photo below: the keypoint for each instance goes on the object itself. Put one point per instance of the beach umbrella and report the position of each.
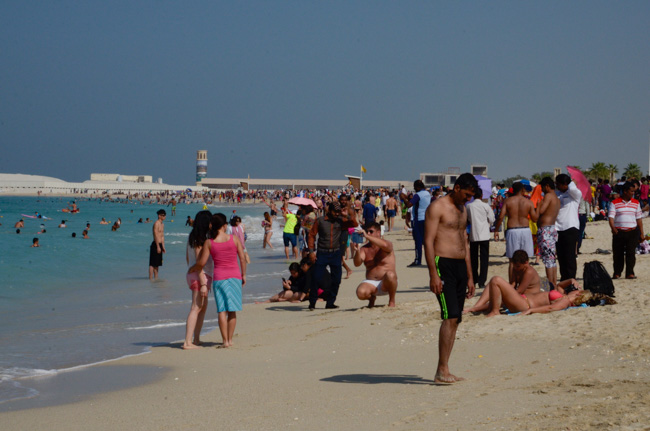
(485, 184)
(302, 201)
(581, 182)
(528, 185)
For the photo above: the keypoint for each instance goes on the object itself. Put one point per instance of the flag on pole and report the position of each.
(363, 169)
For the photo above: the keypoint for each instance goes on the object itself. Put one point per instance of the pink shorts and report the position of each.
(194, 283)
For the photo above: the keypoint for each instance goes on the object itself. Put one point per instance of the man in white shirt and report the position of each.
(567, 225)
(480, 217)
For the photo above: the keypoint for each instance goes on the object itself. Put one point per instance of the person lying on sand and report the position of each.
(525, 280)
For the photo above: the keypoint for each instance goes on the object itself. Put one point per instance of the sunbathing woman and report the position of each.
(525, 281)
(539, 302)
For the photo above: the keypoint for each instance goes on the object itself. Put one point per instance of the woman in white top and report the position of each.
(198, 282)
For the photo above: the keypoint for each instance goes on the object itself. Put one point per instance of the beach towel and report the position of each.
(519, 312)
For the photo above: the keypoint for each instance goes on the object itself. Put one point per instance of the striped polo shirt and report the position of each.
(625, 214)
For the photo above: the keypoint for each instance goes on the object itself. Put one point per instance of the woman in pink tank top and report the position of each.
(229, 274)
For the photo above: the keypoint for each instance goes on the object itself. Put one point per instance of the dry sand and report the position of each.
(373, 369)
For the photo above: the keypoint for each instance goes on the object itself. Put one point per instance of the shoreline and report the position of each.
(373, 368)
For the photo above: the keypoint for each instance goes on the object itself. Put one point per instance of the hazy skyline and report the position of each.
(315, 89)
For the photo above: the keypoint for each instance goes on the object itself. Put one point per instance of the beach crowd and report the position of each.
(328, 231)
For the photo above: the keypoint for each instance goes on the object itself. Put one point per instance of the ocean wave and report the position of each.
(14, 373)
(165, 325)
(267, 274)
(157, 304)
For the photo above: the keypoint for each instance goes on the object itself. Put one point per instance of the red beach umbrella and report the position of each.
(302, 201)
(581, 182)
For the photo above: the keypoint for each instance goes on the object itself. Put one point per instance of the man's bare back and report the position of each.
(391, 204)
(548, 209)
(527, 281)
(518, 208)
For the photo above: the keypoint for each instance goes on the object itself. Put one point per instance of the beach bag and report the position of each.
(597, 279)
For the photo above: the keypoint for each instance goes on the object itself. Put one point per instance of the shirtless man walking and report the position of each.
(157, 246)
(379, 259)
(518, 235)
(450, 269)
(391, 210)
(546, 232)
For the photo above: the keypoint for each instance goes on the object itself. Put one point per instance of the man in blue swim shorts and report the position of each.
(450, 268)
(518, 209)
(391, 210)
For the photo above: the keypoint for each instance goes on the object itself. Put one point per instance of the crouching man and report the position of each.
(378, 257)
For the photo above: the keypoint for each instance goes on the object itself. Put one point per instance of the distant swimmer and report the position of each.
(173, 204)
(104, 221)
(20, 223)
(35, 242)
(85, 234)
(157, 247)
(62, 225)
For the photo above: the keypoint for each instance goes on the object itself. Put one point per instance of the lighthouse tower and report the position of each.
(201, 165)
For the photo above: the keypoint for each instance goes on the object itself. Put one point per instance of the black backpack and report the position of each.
(597, 279)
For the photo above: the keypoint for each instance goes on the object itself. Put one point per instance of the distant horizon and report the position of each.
(365, 177)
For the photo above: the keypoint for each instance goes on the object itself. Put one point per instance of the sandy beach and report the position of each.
(373, 369)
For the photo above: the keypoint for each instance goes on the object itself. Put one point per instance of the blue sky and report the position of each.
(279, 89)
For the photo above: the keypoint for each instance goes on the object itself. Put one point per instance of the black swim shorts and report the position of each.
(155, 258)
(453, 273)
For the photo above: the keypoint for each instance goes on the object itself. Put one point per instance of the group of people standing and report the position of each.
(456, 256)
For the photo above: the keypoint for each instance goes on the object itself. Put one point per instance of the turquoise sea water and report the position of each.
(73, 302)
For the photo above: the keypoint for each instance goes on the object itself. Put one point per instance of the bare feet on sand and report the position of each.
(447, 379)
(349, 273)
(190, 346)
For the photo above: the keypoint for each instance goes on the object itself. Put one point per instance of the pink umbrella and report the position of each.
(581, 182)
(302, 201)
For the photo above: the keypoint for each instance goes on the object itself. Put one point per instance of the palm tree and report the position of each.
(612, 169)
(632, 171)
(598, 170)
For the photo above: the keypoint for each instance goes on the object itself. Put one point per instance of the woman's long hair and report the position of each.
(200, 229)
(218, 221)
